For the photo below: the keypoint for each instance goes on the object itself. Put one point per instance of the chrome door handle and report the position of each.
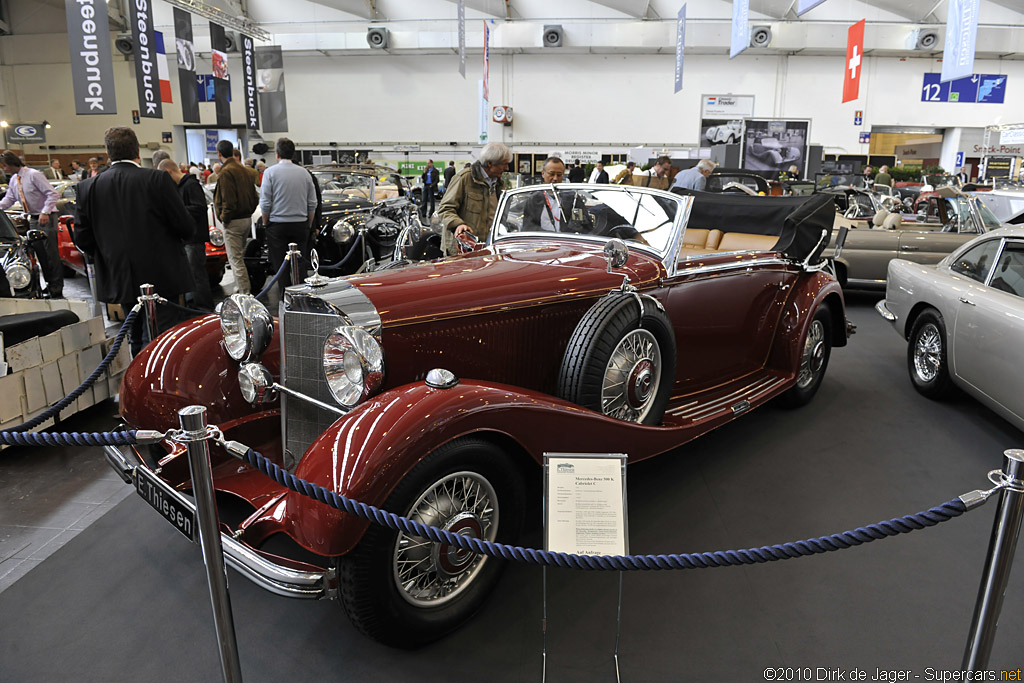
(783, 286)
(909, 248)
(967, 301)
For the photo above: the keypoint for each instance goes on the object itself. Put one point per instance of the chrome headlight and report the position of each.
(19, 275)
(342, 232)
(353, 365)
(216, 236)
(246, 325)
(256, 383)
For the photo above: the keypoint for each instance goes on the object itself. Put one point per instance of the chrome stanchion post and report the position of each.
(193, 424)
(1001, 547)
(149, 298)
(90, 272)
(295, 264)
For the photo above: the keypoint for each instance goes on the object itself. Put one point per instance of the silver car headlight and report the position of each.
(353, 365)
(342, 232)
(246, 325)
(256, 383)
(216, 236)
(19, 275)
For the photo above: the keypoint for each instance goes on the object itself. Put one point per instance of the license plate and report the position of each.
(167, 502)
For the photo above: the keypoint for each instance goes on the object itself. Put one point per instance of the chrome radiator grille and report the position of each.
(302, 370)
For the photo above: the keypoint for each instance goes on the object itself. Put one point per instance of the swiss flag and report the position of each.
(854, 61)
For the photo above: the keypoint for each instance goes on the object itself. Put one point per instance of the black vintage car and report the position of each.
(18, 258)
(364, 210)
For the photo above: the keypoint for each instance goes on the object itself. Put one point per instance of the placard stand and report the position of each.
(584, 514)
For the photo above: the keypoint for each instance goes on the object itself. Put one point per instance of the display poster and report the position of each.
(92, 71)
(775, 145)
(720, 132)
(961, 35)
(680, 43)
(270, 85)
(806, 5)
(221, 85)
(186, 50)
(998, 167)
(462, 37)
(147, 76)
(585, 503)
(740, 39)
(252, 110)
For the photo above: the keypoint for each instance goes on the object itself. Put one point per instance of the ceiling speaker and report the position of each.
(927, 39)
(260, 148)
(124, 44)
(760, 36)
(377, 37)
(231, 41)
(552, 35)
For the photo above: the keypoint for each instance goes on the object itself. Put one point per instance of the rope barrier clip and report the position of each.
(148, 436)
(1002, 481)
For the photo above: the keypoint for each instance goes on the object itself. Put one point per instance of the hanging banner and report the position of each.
(147, 77)
(162, 70)
(487, 62)
(961, 34)
(221, 85)
(680, 40)
(186, 51)
(462, 37)
(740, 38)
(92, 71)
(270, 86)
(854, 55)
(252, 111)
(806, 5)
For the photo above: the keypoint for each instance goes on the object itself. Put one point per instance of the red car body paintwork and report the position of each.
(70, 255)
(499, 319)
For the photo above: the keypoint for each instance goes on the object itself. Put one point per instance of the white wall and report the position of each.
(557, 99)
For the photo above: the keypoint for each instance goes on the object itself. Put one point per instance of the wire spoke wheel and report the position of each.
(812, 359)
(927, 352)
(632, 377)
(429, 574)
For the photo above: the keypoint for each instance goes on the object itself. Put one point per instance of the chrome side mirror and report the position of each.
(617, 253)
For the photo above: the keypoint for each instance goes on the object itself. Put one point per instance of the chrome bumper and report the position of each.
(275, 578)
(884, 311)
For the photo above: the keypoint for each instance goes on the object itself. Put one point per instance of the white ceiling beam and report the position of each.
(632, 8)
(495, 8)
(364, 9)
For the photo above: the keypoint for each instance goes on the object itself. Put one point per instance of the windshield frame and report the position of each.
(667, 257)
(372, 179)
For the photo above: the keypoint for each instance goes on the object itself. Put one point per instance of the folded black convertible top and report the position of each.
(798, 221)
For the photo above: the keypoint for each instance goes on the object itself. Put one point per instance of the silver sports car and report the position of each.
(964, 321)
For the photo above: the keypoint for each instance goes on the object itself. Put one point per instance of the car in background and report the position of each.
(963, 319)
(728, 133)
(870, 244)
(1006, 203)
(642, 320)
(18, 257)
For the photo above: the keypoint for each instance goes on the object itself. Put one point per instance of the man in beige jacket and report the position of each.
(469, 203)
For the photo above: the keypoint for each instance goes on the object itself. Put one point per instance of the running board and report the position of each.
(737, 402)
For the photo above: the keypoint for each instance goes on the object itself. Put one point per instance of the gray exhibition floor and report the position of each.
(126, 599)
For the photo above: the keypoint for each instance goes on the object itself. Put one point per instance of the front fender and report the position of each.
(365, 454)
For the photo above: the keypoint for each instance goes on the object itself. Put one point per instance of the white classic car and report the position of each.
(964, 321)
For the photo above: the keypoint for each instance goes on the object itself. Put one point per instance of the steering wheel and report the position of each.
(851, 211)
(623, 232)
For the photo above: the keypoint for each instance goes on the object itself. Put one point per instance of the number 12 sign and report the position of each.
(982, 88)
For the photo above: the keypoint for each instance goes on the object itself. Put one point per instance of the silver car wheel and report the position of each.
(429, 574)
(632, 377)
(813, 357)
(927, 352)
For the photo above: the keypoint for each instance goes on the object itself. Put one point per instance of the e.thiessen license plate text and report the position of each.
(183, 519)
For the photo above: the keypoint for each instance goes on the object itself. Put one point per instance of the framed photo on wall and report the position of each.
(773, 145)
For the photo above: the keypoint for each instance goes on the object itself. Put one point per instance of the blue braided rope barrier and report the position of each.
(68, 438)
(720, 558)
(186, 309)
(88, 382)
(351, 250)
(273, 280)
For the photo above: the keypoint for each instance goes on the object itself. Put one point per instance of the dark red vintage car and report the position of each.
(593, 318)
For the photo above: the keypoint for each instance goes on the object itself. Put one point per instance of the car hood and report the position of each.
(329, 205)
(515, 274)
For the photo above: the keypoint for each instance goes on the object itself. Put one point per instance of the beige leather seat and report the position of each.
(879, 218)
(893, 221)
(742, 241)
(698, 241)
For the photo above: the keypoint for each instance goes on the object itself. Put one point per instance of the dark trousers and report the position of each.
(428, 199)
(201, 295)
(278, 237)
(49, 257)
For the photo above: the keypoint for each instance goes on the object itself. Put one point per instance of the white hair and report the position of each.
(706, 165)
(495, 153)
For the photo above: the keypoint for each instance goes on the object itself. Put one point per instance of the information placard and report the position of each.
(585, 503)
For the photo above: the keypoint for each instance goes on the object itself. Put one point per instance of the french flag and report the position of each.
(161, 67)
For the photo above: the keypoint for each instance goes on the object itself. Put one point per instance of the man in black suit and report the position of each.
(133, 222)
